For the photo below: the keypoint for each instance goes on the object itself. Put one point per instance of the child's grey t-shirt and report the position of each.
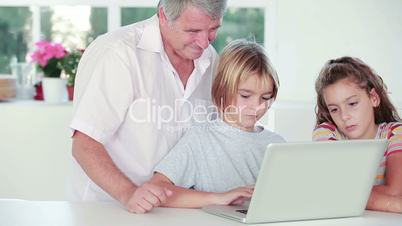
(216, 157)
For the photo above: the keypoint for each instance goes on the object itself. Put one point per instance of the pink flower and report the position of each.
(58, 51)
(49, 57)
(46, 51)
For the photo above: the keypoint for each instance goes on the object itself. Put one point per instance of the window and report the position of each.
(15, 35)
(132, 15)
(247, 23)
(75, 26)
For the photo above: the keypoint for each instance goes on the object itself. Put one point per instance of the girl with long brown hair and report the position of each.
(353, 103)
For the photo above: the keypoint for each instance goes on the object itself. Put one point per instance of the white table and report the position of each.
(61, 213)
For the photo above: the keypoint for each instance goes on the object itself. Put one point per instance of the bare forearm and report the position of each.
(98, 165)
(388, 197)
(188, 198)
(384, 202)
(182, 197)
(388, 190)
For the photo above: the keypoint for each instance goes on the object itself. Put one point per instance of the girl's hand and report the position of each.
(236, 196)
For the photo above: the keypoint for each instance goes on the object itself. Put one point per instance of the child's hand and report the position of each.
(146, 197)
(236, 196)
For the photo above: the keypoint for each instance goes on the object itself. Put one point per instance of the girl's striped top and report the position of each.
(391, 131)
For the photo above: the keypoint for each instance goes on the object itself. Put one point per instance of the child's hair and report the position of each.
(360, 73)
(238, 60)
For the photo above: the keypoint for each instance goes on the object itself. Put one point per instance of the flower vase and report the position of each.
(70, 91)
(54, 90)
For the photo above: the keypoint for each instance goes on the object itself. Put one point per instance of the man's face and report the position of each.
(189, 34)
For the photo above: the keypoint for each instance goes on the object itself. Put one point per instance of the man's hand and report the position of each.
(146, 197)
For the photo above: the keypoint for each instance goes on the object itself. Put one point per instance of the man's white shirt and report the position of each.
(129, 98)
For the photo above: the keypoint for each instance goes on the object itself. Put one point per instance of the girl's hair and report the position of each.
(357, 71)
(237, 62)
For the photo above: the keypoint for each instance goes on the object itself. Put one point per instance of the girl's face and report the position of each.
(250, 103)
(352, 109)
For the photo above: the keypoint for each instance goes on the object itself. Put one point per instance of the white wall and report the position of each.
(293, 121)
(35, 150)
(307, 33)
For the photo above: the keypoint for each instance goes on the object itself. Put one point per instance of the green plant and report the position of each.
(69, 65)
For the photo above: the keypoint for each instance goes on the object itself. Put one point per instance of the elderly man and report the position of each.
(135, 93)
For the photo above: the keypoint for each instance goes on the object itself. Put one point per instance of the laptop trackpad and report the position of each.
(233, 212)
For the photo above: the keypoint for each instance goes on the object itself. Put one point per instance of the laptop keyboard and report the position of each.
(242, 211)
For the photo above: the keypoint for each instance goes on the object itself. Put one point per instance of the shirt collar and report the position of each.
(204, 61)
(151, 39)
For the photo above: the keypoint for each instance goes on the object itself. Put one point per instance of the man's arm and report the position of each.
(97, 164)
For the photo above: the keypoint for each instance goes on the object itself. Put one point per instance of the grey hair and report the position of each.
(173, 8)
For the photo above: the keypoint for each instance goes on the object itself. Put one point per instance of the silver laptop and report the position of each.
(314, 180)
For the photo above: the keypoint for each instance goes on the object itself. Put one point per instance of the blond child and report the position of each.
(217, 162)
(352, 103)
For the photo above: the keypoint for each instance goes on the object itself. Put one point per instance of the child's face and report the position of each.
(352, 109)
(250, 103)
